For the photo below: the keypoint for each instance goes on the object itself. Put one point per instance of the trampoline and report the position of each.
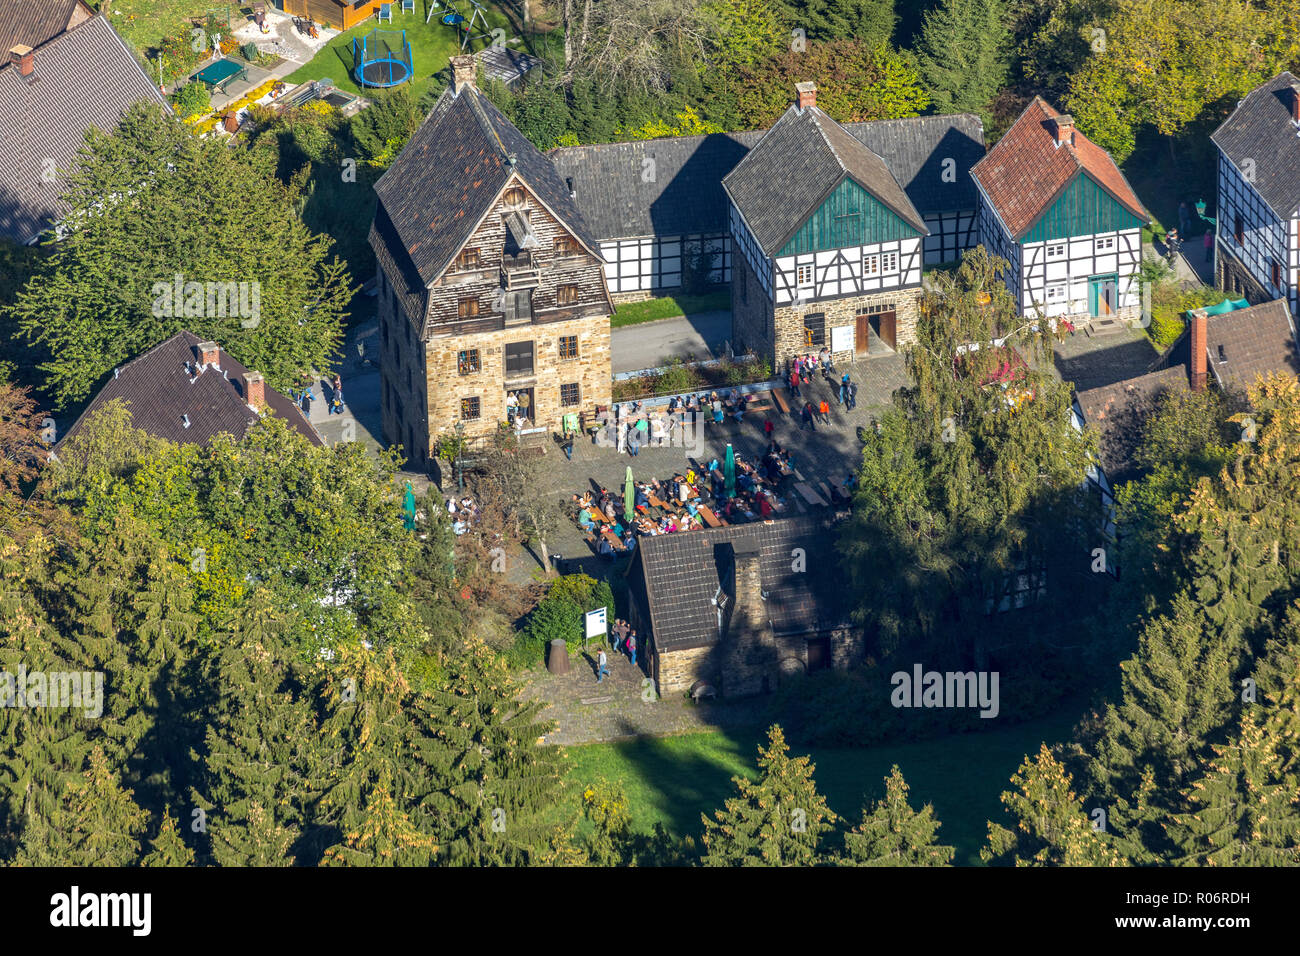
(382, 58)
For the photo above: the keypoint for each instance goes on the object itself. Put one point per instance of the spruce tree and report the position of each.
(380, 834)
(964, 53)
(893, 834)
(1052, 827)
(777, 820)
(168, 848)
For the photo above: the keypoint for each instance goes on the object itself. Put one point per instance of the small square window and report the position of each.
(566, 295)
(468, 362)
(814, 328)
(1056, 292)
(568, 347)
(804, 276)
(470, 409)
(888, 263)
(519, 359)
(871, 265)
(1106, 244)
(569, 395)
(565, 246)
(1056, 250)
(469, 259)
(467, 308)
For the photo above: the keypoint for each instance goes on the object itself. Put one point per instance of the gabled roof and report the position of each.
(677, 576)
(85, 77)
(34, 23)
(1025, 172)
(685, 195)
(159, 391)
(1255, 342)
(1260, 130)
(796, 165)
(1119, 412)
(451, 172)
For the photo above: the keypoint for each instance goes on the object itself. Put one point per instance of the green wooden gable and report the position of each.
(1082, 210)
(850, 216)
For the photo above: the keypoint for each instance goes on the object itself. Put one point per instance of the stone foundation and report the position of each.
(789, 321)
(1233, 277)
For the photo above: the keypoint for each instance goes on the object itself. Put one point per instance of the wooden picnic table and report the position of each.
(808, 495)
(712, 520)
(779, 398)
(613, 539)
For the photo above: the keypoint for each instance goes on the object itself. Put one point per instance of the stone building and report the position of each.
(492, 299)
(739, 608)
(828, 245)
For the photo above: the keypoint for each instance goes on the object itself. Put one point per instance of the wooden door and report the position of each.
(862, 334)
(887, 327)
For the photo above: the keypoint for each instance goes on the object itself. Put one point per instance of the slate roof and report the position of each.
(157, 390)
(451, 172)
(85, 77)
(1026, 171)
(1256, 341)
(796, 165)
(676, 576)
(1260, 129)
(34, 22)
(685, 195)
(1118, 412)
(504, 64)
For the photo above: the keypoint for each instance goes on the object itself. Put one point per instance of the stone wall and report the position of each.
(751, 312)
(679, 670)
(1231, 274)
(790, 337)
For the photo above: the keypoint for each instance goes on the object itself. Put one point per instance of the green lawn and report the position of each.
(432, 45)
(671, 306)
(673, 780)
(144, 23)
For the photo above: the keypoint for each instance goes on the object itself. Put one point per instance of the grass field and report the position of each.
(633, 313)
(144, 23)
(674, 780)
(432, 45)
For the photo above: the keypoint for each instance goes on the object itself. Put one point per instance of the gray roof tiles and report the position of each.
(1260, 135)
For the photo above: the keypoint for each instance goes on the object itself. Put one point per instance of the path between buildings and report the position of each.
(647, 344)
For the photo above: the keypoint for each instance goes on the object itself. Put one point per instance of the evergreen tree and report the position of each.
(893, 834)
(778, 820)
(1244, 809)
(964, 53)
(167, 848)
(1051, 825)
(381, 834)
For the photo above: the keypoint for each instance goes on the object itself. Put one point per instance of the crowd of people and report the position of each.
(464, 514)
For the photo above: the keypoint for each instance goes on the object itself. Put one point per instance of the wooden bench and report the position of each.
(825, 490)
(613, 539)
(778, 396)
(712, 520)
(759, 407)
(808, 495)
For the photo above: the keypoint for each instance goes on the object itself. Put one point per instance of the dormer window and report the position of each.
(514, 197)
(469, 259)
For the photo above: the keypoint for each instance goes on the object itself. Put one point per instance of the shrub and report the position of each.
(677, 377)
(1166, 325)
(192, 99)
(559, 615)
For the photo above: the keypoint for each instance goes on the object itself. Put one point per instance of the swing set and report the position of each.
(457, 21)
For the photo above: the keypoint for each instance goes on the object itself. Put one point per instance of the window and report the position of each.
(467, 308)
(1056, 292)
(470, 409)
(519, 359)
(804, 276)
(566, 295)
(1056, 250)
(467, 361)
(1276, 268)
(568, 347)
(815, 328)
(514, 196)
(564, 246)
(888, 263)
(569, 395)
(469, 259)
(1106, 244)
(1238, 230)
(871, 265)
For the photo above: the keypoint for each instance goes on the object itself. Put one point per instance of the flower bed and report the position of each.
(679, 377)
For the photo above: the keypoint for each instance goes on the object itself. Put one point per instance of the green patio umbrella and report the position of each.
(729, 472)
(408, 508)
(629, 497)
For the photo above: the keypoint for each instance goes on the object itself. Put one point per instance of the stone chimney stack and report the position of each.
(749, 664)
(1199, 334)
(24, 58)
(209, 353)
(464, 73)
(805, 95)
(1065, 130)
(255, 391)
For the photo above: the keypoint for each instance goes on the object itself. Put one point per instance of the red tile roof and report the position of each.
(1024, 173)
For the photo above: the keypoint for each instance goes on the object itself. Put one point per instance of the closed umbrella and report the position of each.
(729, 472)
(408, 508)
(629, 497)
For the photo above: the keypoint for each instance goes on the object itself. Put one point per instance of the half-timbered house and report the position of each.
(828, 246)
(659, 208)
(1058, 209)
(492, 300)
(1258, 239)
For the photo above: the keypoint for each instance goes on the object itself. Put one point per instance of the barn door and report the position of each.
(887, 327)
(862, 334)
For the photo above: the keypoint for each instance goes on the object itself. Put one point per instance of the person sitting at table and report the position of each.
(629, 541)
(642, 498)
(585, 521)
(764, 507)
(717, 412)
(605, 549)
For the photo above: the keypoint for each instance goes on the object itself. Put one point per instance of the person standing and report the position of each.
(853, 395)
(794, 384)
(631, 646)
(825, 409)
(1184, 218)
(633, 441)
(602, 666)
(1209, 243)
(807, 415)
(844, 388)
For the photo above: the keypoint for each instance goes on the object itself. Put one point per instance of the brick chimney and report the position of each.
(255, 390)
(464, 71)
(24, 58)
(1065, 129)
(805, 95)
(1198, 359)
(209, 353)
